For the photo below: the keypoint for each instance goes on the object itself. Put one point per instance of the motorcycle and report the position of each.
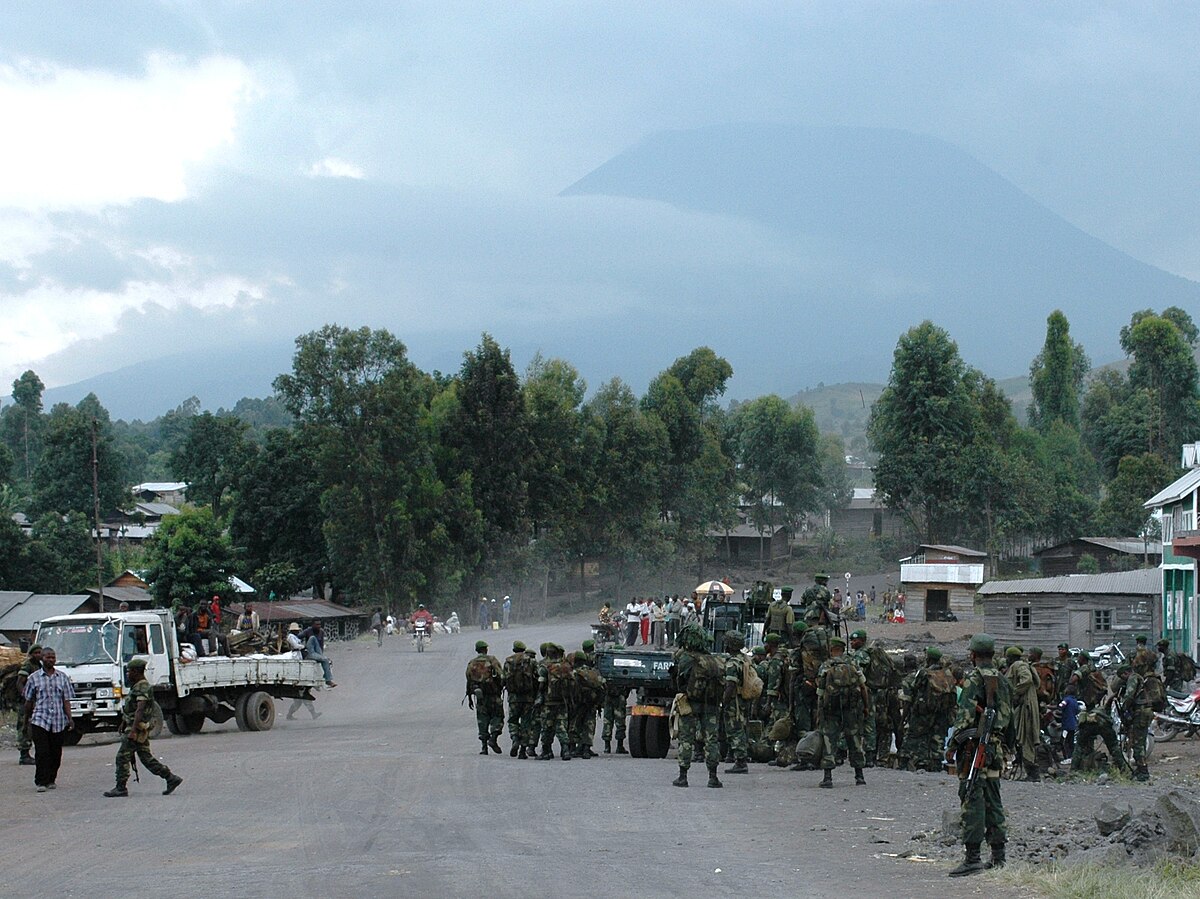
(1107, 655)
(420, 635)
(1182, 716)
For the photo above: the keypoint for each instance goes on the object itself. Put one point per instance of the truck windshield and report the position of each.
(80, 642)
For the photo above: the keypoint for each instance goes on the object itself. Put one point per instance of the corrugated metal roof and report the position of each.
(1176, 491)
(745, 530)
(160, 487)
(23, 617)
(10, 598)
(958, 550)
(296, 610)
(159, 509)
(131, 595)
(1147, 581)
(1132, 545)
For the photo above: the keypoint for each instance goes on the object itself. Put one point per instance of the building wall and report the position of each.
(960, 597)
(1055, 618)
(750, 548)
(1066, 560)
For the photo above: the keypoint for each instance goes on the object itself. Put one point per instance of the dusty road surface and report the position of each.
(386, 795)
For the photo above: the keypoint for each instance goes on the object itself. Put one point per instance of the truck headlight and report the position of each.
(104, 693)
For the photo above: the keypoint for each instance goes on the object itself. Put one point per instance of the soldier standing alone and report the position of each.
(842, 702)
(699, 678)
(140, 715)
(485, 685)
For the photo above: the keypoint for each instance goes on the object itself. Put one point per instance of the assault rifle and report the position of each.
(979, 761)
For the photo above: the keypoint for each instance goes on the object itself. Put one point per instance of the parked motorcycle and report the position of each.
(1182, 716)
(420, 635)
(1107, 655)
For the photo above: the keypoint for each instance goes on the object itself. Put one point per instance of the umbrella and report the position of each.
(714, 587)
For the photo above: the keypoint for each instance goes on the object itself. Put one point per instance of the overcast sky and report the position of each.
(135, 133)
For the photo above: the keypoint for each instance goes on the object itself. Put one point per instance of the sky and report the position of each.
(178, 177)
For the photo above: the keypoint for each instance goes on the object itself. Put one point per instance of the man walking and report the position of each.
(139, 716)
(485, 683)
(521, 682)
(48, 695)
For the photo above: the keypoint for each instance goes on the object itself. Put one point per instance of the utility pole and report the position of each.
(96, 516)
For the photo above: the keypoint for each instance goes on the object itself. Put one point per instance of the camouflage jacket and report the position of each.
(973, 700)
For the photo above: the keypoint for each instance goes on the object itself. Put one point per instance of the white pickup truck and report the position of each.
(95, 649)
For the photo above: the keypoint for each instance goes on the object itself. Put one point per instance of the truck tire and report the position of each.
(637, 736)
(156, 731)
(239, 711)
(194, 722)
(658, 737)
(175, 724)
(260, 710)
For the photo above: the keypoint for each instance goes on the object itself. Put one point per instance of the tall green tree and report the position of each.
(1121, 512)
(189, 558)
(554, 394)
(1056, 376)
(62, 481)
(60, 553)
(1164, 367)
(209, 458)
(22, 425)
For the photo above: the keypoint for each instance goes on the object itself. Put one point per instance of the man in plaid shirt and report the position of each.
(48, 695)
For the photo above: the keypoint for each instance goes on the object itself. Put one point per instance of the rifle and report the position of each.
(979, 762)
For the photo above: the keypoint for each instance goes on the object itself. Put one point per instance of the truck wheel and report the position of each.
(260, 710)
(239, 712)
(637, 736)
(194, 722)
(175, 724)
(658, 737)
(156, 731)
(72, 737)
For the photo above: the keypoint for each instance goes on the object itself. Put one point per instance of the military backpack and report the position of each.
(706, 678)
(1185, 668)
(522, 678)
(483, 675)
(752, 686)
(590, 685)
(559, 679)
(879, 672)
(1092, 687)
(1154, 693)
(841, 676)
(941, 693)
(1044, 672)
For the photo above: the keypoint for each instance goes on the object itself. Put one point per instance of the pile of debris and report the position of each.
(11, 660)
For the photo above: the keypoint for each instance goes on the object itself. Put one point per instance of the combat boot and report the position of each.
(565, 754)
(972, 864)
(827, 783)
(545, 755)
(739, 767)
(117, 791)
(681, 780)
(173, 781)
(713, 780)
(483, 746)
(608, 747)
(1141, 773)
(998, 858)
(531, 751)
(522, 754)
(859, 780)
(512, 752)
(1031, 774)
(494, 745)
(621, 748)
(26, 759)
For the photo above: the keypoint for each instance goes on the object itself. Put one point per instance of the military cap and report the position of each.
(787, 591)
(1013, 652)
(799, 627)
(589, 645)
(1064, 646)
(859, 634)
(579, 656)
(1140, 638)
(932, 652)
(773, 639)
(759, 650)
(518, 646)
(137, 663)
(983, 643)
(480, 645)
(34, 648)
(837, 640)
(820, 576)
(1162, 642)
(544, 648)
(735, 637)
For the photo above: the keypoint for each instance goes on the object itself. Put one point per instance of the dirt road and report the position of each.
(386, 795)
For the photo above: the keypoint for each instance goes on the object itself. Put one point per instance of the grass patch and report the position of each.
(1167, 880)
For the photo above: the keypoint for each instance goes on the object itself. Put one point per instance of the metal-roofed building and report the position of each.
(1110, 553)
(941, 578)
(1084, 610)
(1177, 508)
(745, 543)
(340, 622)
(18, 622)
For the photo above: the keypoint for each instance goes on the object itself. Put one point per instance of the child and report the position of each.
(1070, 721)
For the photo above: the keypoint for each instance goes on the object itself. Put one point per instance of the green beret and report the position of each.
(589, 645)
(820, 576)
(518, 646)
(1064, 646)
(735, 637)
(799, 627)
(480, 645)
(136, 663)
(34, 648)
(759, 650)
(1163, 642)
(580, 656)
(787, 591)
(773, 639)
(932, 652)
(837, 641)
(983, 643)
(545, 649)
(1013, 652)
(1140, 638)
(859, 634)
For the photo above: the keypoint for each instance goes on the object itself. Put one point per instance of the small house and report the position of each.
(1110, 553)
(940, 579)
(20, 619)
(339, 622)
(173, 493)
(1083, 610)
(746, 543)
(865, 516)
(1177, 508)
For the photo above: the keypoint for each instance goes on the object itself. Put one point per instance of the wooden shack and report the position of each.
(1110, 553)
(940, 578)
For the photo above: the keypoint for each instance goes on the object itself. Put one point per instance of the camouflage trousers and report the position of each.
(522, 724)
(614, 717)
(555, 723)
(734, 721)
(125, 753)
(489, 715)
(702, 727)
(1139, 724)
(877, 735)
(838, 725)
(1084, 756)
(24, 742)
(925, 739)
(982, 811)
(581, 726)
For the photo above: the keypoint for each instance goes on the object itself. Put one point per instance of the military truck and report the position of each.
(95, 650)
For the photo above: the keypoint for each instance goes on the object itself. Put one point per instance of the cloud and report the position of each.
(332, 167)
(89, 139)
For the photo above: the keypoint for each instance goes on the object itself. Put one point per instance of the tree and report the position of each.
(1121, 513)
(1164, 367)
(554, 395)
(1088, 564)
(209, 457)
(60, 554)
(62, 481)
(1056, 376)
(23, 423)
(278, 580)
(189, 558)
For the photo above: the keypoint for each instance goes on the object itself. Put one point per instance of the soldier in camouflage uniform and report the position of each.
(807, 660)
(520, 682)
(733, 706)
(1064, 668)
(485, 690)
(700, 677)
(817, 595)
(139, 715)
(582, 717)
(555, 687)
(1096, 722)
(24, 742)
(878, 671)
(982, 809)
(1137, 710)
(842, 700)
(616, 697)
(929, 715)
(775, 708)
(780, 614)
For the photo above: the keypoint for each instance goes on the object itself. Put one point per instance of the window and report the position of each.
(1022, 619)
(1168, 528)
(1101, 620)
(156, 639)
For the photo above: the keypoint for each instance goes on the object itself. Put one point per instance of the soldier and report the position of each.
(139, 716)
(1172, 676)
(30, 665)
(932, 696)
(758, 658)
(842, 701)
(733, 705)
(485, 685)
(556, 686)
(984, 690)
(1141, 692)
(775, 708)
(1027, 718)
(588, 694)
(1095, 721)
(817, 595)
(700, 677)
(520, 681)
(616, 697)
(1064, 668)
(878, 670)
(780, 615)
